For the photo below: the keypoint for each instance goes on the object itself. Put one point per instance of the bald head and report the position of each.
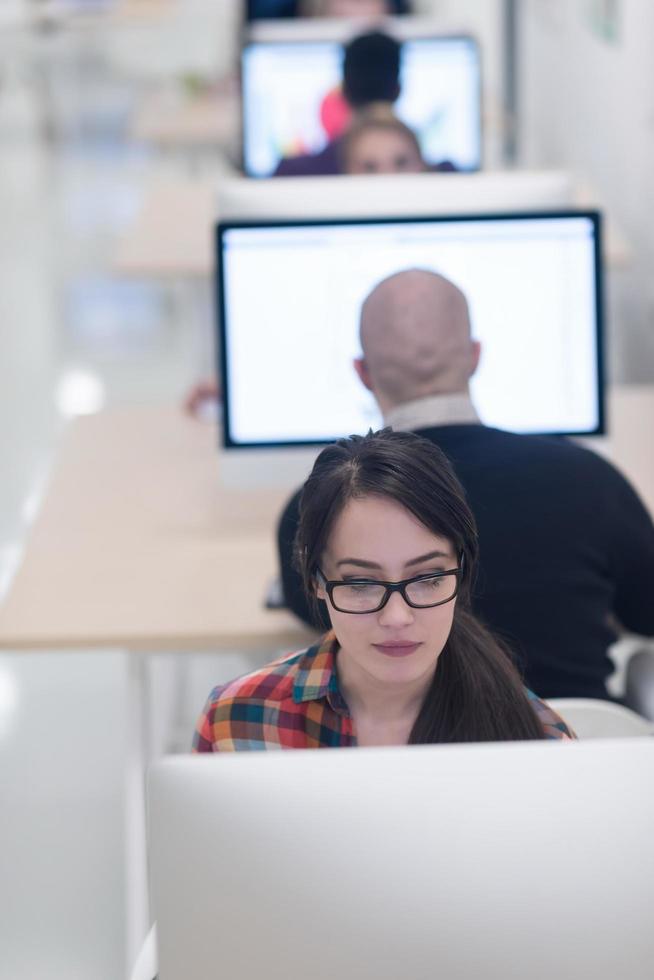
(415, 336)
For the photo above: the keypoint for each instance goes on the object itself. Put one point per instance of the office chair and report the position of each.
(639, 683)
(593, 718)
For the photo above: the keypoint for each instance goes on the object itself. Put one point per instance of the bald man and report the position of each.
(415, 335)
(566, 546)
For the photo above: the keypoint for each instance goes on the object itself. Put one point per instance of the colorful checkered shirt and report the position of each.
(295, 703)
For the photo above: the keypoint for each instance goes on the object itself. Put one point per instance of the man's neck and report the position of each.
(421, 413)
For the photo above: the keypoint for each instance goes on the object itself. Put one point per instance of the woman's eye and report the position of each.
(429, 584)
(360, 586)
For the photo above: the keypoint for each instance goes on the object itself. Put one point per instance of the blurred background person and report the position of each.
(371, 74)
(273, 9)
(379, 143)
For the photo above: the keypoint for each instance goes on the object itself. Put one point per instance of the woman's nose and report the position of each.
(396, 611)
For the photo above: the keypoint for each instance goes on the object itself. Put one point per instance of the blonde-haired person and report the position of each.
(377, 142)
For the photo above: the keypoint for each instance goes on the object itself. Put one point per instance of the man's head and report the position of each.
(415, 337)
(371, 70)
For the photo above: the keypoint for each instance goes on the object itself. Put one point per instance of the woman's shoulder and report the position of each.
(273, 681)
(262, 709)
(278, 680)
(553, 724)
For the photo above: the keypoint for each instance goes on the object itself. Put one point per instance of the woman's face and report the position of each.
(383, 151)
(377, 538)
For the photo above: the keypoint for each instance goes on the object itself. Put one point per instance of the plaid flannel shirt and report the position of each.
(295, 703)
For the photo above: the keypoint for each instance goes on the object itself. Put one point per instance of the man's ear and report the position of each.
(475, 351)
(361, 369)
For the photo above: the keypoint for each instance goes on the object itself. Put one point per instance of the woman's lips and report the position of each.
(401, 648)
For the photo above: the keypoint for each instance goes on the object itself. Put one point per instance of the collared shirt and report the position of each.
(295, 703)
(423, 413)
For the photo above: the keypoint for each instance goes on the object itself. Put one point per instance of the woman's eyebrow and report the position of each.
(362, 563)
(357, 561)
(428, 557)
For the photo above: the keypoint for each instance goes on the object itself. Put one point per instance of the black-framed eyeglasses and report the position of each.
(364, 595)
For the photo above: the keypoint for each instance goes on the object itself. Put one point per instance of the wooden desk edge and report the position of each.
(291, 638)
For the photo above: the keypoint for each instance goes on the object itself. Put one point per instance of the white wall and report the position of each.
(587, 103)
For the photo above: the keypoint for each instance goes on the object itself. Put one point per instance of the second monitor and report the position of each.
(291, 99)
(290, 295)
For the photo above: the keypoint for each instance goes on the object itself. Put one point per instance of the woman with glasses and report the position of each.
(387, 540)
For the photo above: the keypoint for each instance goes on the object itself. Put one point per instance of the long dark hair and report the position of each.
(476, 694)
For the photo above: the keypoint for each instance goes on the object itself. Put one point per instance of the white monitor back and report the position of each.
(394, 195)
(343, 29)
(461, 862)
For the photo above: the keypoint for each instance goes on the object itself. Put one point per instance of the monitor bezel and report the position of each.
(408, 38)
(221, 228)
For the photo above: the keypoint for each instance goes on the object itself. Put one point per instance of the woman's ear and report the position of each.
(319, 588)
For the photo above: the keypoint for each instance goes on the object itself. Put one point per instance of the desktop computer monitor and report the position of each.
(290, 100)
(495, 861)
(264, 10)
(290, 293)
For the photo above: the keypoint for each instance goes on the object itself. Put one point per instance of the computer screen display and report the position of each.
(268, 9)
(290, 295)
(292, 103)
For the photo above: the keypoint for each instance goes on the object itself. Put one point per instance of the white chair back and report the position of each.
(593, 718)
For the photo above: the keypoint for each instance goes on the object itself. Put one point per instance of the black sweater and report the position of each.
(565, 546)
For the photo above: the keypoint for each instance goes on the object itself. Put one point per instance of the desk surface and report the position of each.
(204, 120)
(138, 545)
(172, 235)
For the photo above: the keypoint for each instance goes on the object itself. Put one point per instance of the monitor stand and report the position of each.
(249, 469)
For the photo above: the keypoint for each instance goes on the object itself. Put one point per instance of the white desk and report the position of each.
(172, 235)
(138, 544)
(177, 122)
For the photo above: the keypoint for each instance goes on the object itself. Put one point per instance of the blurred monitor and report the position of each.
(290, 295)
(291, 102)
(459, 862)
(270, 9)
(394, 195)
(281, 9)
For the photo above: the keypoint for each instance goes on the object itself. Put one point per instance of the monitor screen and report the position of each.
(267, 9)
(290, 294)
(291, 101)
